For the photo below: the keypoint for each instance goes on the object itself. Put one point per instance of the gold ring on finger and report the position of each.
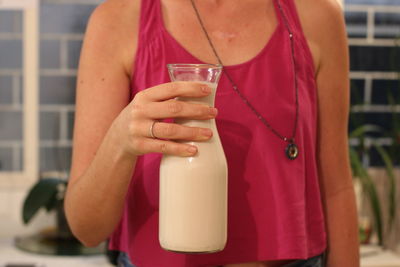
(151, 130)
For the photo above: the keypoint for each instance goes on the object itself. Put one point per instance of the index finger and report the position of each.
(171, 90)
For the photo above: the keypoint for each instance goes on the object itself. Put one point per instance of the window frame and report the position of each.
(30, 106)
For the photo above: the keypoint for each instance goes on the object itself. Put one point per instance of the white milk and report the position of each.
(193, 194)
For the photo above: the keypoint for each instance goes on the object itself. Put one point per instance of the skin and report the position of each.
(111, 131)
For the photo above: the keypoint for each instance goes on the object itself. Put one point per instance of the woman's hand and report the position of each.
(135, 123)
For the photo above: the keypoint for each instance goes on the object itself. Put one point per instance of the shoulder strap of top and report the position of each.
(289, 10)
(290, 16)
(149, 23)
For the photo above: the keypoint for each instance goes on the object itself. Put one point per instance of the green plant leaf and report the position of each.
(52, 202)
(394, 130)
(362, 130)
(392, 183)
(40, 195)
(370, 189)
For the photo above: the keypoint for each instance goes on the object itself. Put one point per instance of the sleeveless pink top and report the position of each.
(274, 204)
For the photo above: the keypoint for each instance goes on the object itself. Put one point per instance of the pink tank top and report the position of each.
(274, 204)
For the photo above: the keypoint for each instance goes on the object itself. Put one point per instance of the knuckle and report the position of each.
(195, 132)
(136, 108)
(163, 147)
(131, 129)
(174, 106)
(173, 88)
(203, 111)
(138, 144)
(139, 95)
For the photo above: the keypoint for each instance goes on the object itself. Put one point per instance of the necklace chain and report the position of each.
(235, 87)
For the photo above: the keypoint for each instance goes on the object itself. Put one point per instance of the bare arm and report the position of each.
(99, 177)
(328, 38)
(110, 131)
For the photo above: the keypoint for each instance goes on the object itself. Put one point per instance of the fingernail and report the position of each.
(213, 111)
(192, 149)
(206, 132)
(206, 89)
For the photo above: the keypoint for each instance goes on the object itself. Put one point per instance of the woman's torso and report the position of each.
(242, 33)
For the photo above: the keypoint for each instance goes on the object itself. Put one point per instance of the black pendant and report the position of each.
(292, 151)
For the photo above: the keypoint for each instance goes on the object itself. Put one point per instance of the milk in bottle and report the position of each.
(193, 190)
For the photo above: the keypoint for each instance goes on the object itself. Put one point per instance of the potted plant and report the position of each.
(369, 188)
(48, 193)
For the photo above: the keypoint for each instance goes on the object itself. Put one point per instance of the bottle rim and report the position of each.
(193, 66)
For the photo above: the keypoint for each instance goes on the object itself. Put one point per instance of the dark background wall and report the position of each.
(374, 30)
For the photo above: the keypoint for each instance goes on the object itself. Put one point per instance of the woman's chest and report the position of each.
(238, 30)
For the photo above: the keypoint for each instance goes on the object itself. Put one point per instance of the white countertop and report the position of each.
(9, 254)
(373, 256)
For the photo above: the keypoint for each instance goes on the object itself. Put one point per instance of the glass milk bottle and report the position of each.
(193, 190)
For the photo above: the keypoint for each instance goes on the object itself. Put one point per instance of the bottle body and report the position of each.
(193, 194)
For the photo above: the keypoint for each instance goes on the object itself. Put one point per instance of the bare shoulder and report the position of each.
(321, 18)
(104, 73)
(114, 12)
(323, 25)
(113, 28)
